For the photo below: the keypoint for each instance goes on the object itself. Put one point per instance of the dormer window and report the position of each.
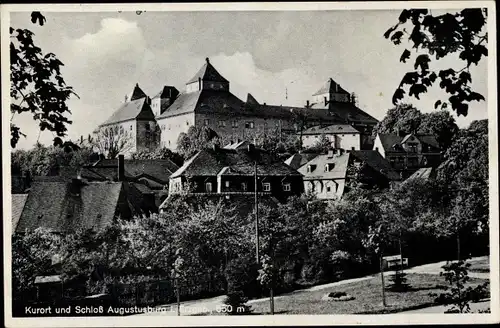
(286, 187)
(310, 168)
(266, 186)
(329, 166)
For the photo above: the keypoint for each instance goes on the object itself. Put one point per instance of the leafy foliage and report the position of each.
(196, 139)
(439, 36)
(37, 85)
(405, 119)
(159, 153)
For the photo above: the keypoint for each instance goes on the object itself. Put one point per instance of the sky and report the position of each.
(280, 57)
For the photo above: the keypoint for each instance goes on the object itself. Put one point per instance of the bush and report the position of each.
(236, 304)
(398, 282)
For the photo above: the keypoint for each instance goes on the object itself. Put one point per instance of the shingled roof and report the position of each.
(374, 160)
(388, 140)
(330, 87)
(337, 167)
(18, 202)
(330, 129)
(138, 109)
(210, 162)
(347, 112)
(167, 92)
(137, 93)
(207, 73)
(297, 160)
(60, 206)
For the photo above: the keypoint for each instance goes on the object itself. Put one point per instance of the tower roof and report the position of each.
(167, 92)
(208, 73)
(137, 93)
(331, 87)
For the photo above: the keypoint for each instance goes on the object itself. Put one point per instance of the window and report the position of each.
(169, 127)
(169, 142)
(376, 148)
(187, 123)
(147, 126)
(222, 123)
(131, 127)
(206, 122)
(244, 186)
(234, 124)
(227, 184)
(249, 125)
(266, 186)
(286, 187)
(327, 168)
(328, 189)
(208, 187)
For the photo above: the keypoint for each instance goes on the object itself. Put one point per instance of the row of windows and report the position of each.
(169, 126)
(235, 124)
(266, 186)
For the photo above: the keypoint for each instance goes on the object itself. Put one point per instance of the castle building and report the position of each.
(207, 101)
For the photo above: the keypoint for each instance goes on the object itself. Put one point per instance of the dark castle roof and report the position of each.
(207, 73)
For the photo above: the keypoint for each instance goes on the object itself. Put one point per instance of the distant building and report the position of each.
(328, 175)
(340, 135)
(63, 205)
(208, 101)
(408, 153)
(227, 171)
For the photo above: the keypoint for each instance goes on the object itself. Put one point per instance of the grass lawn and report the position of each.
(481, 265)
(367, 300)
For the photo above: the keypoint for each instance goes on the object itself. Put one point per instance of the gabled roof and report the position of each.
(330, 87)
(337, 167)
(425, 173)
(158, 169)
(51, 205)
(374, 160)
(347, 111)
(237, 145)
(331, 129)
(251, 100)
(210, 162)
(136, 109)
(297, 160)
(429, 139)
(18, 202)
(167, 92)
(388, 140)
(207, 73)
(137, 93)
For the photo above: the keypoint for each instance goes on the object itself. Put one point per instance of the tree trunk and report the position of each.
(401, 253)
(271, 299)
(458, 246)
(177, 291)
(382, 279)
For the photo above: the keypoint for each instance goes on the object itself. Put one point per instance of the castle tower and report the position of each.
(207, 78)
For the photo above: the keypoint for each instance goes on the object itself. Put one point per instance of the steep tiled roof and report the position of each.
(429, 139)
(297, 160)
(330, 87)
(251, 100)
(159, 169)
(137, 93)
(225, 103)
(51, 205)
(207, 73)
(337, 170)
(348, 112)
(18, 202)
(388, 140)
(167, 92)
(331, 129)
(425, 173)
(374, 160)
(135, 109)
(210, 162)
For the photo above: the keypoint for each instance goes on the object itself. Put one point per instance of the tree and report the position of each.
(159, 153)
(403, 118)
(37, 86)
(112, 141)
(442, 125)
(196, 139)
(463, 33)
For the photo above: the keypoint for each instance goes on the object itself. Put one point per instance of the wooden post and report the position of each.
(382, 278)
(271, 299)
(256, 215)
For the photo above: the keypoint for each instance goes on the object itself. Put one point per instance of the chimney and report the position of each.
(199, 83)
(307, 104)
(121, 167)
(207, 60)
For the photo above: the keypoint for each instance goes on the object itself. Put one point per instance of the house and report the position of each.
(342, 105)
(226, 171)
(207, 101)
(328, 175)
(65, 205)
(408, 153)
(298, 159)
(340, 135)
